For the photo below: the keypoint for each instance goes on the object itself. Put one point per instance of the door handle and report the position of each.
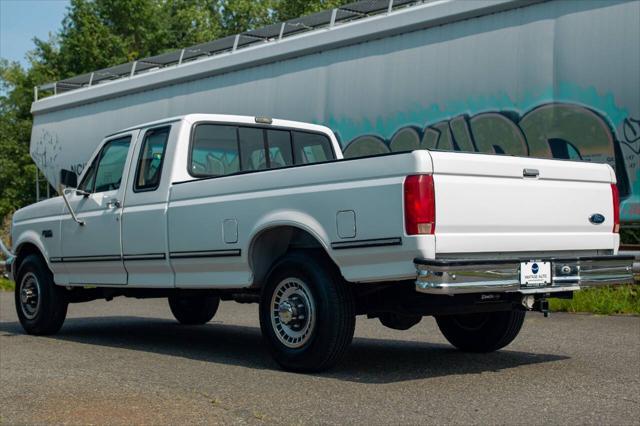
(530, 173)
(111, 204)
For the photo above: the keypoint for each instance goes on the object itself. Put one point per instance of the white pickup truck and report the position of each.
(203, 208)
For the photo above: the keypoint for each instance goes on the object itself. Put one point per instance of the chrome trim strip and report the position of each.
(377, 242)
(146, 256)
(74, 259)
(204, 253)
(437, 276)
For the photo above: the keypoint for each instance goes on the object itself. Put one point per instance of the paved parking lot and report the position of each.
(127, 361)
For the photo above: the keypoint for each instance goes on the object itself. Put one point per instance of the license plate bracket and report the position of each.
(535, 273)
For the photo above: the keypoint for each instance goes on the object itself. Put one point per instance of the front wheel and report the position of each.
(193, 309)
(41, 305)
(306, 313)
(481, 332)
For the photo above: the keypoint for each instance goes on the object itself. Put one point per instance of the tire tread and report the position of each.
(342, 318)
(53, 314)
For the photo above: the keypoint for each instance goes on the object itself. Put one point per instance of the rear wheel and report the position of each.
(481, 332)
(40, 304)
(306, 313)
(193, 309)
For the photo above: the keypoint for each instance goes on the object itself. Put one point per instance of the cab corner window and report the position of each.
(311, 148)
(214, 151)
(105, 173)
(149, 170)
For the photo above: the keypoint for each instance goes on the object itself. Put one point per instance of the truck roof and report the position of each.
(229, 118)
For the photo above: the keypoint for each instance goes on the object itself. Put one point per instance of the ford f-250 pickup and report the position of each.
(203, 208)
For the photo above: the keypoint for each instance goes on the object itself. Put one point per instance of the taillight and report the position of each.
(616, 208)
(419, 205)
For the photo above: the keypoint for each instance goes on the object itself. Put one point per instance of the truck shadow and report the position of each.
(368, 360)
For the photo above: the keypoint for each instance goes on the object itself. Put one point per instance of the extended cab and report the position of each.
(203, 208)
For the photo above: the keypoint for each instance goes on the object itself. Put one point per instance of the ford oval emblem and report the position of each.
(596, 218)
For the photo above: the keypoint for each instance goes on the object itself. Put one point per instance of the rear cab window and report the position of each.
(221, 149)
(280, 148)
(252, 148)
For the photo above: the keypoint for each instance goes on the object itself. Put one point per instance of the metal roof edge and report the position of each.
(378, 26)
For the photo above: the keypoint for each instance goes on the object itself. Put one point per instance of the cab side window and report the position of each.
(220, 149)
(105, 173)
(151, 159)
(311, 148)
(90, 176)
(214, 151)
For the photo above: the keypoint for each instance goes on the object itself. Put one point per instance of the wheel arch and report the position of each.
(25, 248)
(272, 240)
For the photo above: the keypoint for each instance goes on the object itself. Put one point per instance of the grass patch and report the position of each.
(603, 301)
(6, 285)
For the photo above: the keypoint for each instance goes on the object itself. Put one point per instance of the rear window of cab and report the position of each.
(219, 149)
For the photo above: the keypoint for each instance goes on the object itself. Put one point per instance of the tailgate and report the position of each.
(484, 203)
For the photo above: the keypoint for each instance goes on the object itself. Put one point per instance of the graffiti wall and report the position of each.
(557, 79)
(552, 130)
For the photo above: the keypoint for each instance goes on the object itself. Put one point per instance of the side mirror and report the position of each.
(68, 179)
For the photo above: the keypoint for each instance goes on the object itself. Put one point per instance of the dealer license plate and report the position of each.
(535, 274)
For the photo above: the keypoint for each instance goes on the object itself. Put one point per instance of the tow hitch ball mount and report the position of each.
(531, 304)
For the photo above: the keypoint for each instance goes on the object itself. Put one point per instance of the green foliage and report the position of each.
(101, 33)
(289, 9)
(239, 15)
(17, 171)
(603, 301)
(6, 285)
(191, 22)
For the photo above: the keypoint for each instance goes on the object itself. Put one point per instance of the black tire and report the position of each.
(398, 321)
(193, 309)
(481, 332)
(325, 319)
(41, 305)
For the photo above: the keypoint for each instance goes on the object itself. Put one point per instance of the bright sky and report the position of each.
(22, 20)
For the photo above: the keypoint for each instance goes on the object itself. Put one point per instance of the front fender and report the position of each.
(33, 238)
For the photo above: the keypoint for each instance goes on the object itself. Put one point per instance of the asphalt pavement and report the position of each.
(128, 362)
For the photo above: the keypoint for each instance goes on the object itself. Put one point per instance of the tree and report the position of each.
(97, 34)
(290, 9)
(17, 171)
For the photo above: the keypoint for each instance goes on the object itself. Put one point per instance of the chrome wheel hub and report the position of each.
(29, 295)
(286, 312)
(293, 312)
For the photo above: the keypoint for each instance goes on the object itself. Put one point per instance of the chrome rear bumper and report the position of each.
(451, 276)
